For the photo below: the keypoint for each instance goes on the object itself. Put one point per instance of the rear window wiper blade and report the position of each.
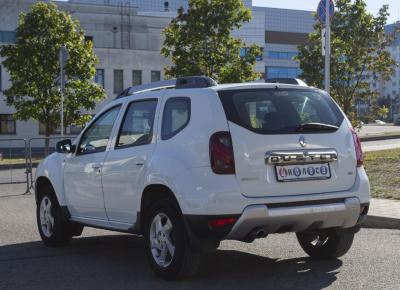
(315, 127)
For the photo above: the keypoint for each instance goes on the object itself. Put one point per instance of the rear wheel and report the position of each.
(167, 245)
(326, 244)
(54, 229)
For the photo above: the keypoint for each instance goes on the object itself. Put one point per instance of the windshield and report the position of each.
(281, 111)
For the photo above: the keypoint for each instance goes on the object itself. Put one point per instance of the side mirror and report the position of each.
(65, 146)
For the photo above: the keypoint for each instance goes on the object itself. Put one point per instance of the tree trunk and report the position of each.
(47, 140)
(347, 104)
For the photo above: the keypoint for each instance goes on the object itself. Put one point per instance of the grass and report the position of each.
(383, 169)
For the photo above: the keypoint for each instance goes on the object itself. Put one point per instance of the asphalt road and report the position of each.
(107, 260)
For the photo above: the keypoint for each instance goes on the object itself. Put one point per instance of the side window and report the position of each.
(176, 116)
(95, 138)
(137, 126)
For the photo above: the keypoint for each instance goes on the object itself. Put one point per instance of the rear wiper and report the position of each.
(316, 127)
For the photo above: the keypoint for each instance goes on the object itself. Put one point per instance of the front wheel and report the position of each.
(53, 228)
(167, 245)
(326, 244)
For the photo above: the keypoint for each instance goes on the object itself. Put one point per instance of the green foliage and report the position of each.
(34, 68)
(199, 42)
(357, 49)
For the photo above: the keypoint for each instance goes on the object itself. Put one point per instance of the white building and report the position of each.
(127, 38)
(127, 45)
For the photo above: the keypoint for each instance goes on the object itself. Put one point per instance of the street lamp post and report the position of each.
(327, 46)
(63, 57)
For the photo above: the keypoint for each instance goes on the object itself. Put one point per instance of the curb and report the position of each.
(380, 222)
(378, 138)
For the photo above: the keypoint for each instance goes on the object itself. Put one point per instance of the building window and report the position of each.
(88, 38)
(281, 55)
(7, 124)
(99, 77)
(118, 81)
(243, 53)
(75, 129)
(136, 77)
(155, 75)
(8, 36)
(282, 72)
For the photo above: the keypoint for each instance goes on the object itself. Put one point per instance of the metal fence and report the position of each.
(14, 168)
(18, 161)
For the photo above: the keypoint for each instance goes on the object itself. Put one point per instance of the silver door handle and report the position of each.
(96, 166)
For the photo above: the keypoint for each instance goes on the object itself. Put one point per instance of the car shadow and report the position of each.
(119, 262)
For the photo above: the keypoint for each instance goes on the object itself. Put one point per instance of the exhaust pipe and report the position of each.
(260, 234)
(256, 233)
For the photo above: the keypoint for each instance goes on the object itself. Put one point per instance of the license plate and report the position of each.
(303, 172)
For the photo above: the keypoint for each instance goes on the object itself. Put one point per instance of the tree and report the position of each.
(33, 64)
(358, 53)
(199, 42)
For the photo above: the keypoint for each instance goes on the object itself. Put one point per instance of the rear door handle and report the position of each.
(140, 161)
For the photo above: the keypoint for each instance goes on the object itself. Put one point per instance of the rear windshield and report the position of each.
(280, 111)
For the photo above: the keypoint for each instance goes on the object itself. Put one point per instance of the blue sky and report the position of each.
(372, 5)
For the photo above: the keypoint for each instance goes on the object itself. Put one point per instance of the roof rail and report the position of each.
(147, 87)
(194, 82)
(179, 83)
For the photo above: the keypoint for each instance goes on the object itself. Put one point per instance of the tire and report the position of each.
(326, 244)
(170, 231)
(54, 229)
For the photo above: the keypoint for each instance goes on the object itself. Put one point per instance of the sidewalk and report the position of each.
(383, 213)
(380, 145)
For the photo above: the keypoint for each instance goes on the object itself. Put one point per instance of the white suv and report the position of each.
(192, 164)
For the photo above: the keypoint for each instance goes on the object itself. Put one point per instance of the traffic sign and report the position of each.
(321, 10)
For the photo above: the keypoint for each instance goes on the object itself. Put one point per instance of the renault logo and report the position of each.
(302, 141)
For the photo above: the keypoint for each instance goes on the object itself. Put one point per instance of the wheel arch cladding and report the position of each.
(153, 193)
(42, 182)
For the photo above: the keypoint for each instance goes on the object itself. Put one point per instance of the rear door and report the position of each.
(289, 142)
(125, 165)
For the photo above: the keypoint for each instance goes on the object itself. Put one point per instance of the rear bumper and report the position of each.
(296, 217)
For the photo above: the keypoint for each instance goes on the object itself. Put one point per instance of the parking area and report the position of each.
(107, 260)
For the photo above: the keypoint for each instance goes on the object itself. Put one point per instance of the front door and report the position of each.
(82, 172)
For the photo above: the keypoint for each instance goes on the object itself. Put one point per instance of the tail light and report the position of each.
(357, 145)
(221, 153)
